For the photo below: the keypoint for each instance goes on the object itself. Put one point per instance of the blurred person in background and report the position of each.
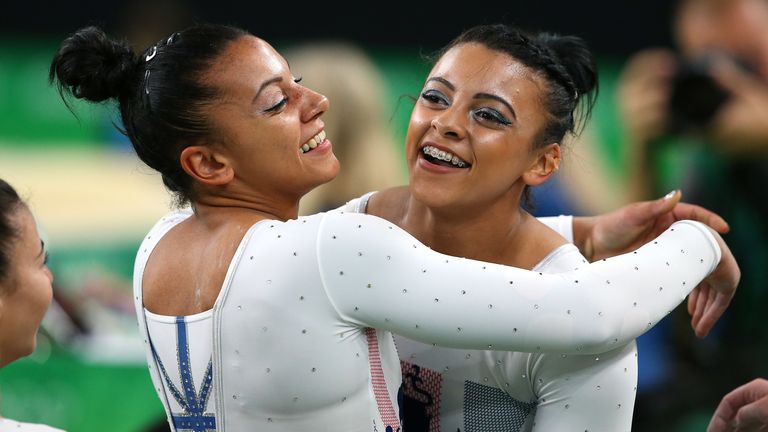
(362, 138)
(698, 118)
(25, 287)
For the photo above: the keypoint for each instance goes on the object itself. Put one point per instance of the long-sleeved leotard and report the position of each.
(291, 345)
(481, 390)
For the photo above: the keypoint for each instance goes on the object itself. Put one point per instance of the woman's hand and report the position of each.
(634, 225)
(739, 126)
(643, 94)
(709, 300)
(743, 410)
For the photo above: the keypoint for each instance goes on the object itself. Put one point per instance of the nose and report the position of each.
(450, 123)
(316, 105)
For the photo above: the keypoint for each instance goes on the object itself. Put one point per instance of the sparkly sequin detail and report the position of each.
(488, 409)
(194, 418)
(383, 401)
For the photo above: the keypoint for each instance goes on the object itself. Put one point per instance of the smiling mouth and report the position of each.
(313, 142)
(443, 158)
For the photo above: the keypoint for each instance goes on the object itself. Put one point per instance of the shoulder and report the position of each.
(545, 237)
(10, 425)
(357, 205)
(168, 221)
(534, 244)
(389, 203)
(564, 258)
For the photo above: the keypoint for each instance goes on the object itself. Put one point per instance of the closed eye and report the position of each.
(277, 106)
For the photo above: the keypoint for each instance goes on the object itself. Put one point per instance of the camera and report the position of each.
(695, 96)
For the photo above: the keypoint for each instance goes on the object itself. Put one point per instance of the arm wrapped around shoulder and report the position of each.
(378, 275)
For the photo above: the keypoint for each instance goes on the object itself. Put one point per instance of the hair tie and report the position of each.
(152, 53)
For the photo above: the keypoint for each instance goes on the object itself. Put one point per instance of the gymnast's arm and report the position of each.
(377, 275)
(633, 225)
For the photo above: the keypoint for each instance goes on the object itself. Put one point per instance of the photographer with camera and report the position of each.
(716, 87)
(697, 118)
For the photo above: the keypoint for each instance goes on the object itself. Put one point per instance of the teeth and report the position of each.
(444, 155)
(313, 142)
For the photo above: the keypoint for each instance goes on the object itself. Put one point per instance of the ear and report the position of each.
(546, 163)
(206, 165)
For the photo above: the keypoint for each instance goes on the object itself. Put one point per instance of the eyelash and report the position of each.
(433, 96)
(277, 106)
(45, 258)
(494, 116)
(284, 101)
(483, 114)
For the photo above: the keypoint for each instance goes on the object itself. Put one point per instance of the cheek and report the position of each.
(417, 127)
(41, 292)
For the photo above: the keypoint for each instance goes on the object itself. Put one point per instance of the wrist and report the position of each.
(583, 232)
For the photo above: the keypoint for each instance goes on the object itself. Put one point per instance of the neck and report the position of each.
(253, 207)
(485, 232)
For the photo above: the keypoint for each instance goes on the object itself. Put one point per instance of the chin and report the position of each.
(432, 195)
(11, 356)
(331, 173)
(29, 349)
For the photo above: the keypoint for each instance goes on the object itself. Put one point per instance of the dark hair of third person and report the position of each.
(9, 232)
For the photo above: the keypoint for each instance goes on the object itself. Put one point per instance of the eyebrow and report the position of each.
(266, 83)
(448, 84)
(496, 98)
(443, 81)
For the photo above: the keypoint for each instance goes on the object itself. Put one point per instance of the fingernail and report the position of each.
(670, 195)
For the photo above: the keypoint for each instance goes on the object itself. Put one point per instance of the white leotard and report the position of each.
(7, 425)
(290, 340)
(447, 389)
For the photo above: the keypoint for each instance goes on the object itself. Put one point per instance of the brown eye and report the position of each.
(487, 114)
(435, 97)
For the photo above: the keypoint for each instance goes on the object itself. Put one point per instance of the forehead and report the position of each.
(24, 222)
(731, 24)
(474, 66)
(247, 61)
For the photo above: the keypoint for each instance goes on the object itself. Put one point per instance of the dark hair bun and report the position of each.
(91, 66)
(574, 55)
